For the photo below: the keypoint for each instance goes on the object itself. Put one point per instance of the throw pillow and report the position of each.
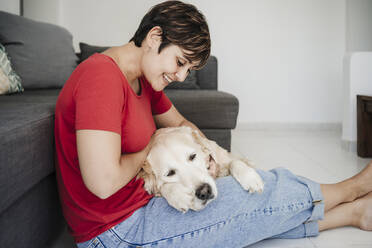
(42, 54)
(10, 82)
(87, 50)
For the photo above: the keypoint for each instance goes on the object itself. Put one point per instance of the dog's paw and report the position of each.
(252, 182)
(248, 178)
(179, 197)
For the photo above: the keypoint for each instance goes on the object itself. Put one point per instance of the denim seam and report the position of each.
(293, 235)
(289, 208)
(100, 242)
(93, 244)
(309, 229)
(123, 240)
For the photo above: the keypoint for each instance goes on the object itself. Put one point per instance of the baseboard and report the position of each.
(350, 146)
(272, 126)
(347, 145)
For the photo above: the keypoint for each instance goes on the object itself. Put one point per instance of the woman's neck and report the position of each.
(128, 57)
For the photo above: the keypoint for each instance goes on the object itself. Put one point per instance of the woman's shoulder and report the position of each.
(97, 62)
(96, 72)
(98, 67)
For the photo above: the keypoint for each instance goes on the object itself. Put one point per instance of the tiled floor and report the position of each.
(315, 154)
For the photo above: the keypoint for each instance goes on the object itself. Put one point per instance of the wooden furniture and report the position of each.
(364, 126)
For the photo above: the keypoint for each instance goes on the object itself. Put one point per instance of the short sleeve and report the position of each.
(160, 103)
(99, 99)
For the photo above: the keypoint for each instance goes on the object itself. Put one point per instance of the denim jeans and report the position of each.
(289, 207)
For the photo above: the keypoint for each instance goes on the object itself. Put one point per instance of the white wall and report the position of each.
(282, 59)
(358, 25)
(43, 10)
(11, 6)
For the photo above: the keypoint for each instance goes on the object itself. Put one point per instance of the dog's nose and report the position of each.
(204, 192)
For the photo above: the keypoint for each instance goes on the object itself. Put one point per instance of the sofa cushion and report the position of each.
(26, 142)
(221, 136)
(10, 82)
(207, 77)
(208, 109)
(42, 54)
(37, 215)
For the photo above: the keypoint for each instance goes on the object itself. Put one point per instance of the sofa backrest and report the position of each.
(41, 53)
(207, 76)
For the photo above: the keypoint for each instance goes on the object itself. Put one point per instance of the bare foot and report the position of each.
(363, 212)
(362, 182)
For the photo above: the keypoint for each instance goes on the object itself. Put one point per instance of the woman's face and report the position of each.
(162, 68)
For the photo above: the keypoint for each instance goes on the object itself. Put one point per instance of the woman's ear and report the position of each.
(149, 177)
(153, 38)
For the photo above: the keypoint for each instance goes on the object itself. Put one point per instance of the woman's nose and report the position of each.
(182, 74)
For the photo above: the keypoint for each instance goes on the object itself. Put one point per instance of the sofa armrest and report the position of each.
(207, 76)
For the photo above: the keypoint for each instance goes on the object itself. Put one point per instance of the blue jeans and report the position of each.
(289, 207)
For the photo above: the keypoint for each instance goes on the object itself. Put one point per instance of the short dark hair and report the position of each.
(182, 24)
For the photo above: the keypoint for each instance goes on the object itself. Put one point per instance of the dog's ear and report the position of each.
(204, 143)
(222, 158)
(149, 177)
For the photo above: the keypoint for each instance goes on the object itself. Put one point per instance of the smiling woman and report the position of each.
(109, 109)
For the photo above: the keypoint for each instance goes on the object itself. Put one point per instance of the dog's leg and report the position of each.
(246, 176)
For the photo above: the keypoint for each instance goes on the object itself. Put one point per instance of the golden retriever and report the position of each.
(182, 166)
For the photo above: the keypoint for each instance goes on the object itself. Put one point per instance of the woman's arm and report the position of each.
(103, 168)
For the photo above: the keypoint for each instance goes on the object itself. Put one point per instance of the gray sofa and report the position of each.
(30, 212)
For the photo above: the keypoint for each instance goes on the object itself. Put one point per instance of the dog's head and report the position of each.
(180, 159)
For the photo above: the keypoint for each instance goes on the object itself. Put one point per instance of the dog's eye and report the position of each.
(192, 156)
(171, 173)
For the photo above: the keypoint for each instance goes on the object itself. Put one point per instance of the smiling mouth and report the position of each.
(167, 79)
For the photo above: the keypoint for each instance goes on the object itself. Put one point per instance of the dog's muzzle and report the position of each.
(204, 192)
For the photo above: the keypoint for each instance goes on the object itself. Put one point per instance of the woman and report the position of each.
(106, 115)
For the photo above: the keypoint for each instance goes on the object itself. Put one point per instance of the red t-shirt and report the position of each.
(98, 96)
